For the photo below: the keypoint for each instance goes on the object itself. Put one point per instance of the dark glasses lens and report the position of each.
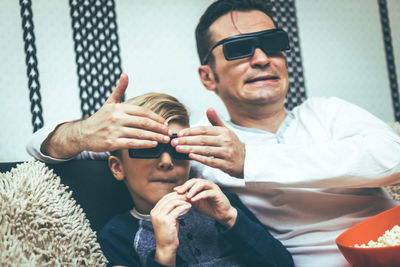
(276, 42)
(146, 153)
(241, 46)
(238, 49)
(155, 152)
(176, 155)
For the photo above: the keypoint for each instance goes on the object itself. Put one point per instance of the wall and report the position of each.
(341, 46)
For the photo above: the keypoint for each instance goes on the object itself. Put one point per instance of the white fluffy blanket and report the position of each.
(41, 224)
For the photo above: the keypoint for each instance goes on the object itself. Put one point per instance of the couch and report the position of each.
(93, 187)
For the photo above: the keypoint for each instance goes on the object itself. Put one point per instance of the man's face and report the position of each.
(257, 80)
(148, 180)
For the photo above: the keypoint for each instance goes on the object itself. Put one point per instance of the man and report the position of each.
(307, 174)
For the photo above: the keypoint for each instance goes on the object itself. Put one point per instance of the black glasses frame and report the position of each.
(255, 37)
(155, 152)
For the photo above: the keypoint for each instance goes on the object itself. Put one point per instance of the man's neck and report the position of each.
(264, 118)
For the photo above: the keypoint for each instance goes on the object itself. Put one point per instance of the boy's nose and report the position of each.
(165, 162)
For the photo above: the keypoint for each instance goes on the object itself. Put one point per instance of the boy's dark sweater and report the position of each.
(130, 241)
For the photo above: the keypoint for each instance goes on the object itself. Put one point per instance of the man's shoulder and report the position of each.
(322, 101)
(321, 105)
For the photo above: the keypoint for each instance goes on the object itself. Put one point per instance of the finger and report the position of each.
(199, 130)
(163, 212)
(143, 134)
(181, 189)
(213, 118)
(200, 140)
(167, 203)
(180, 209)
(209, 161)
(197, 187)
(122, 143)
(171, 196)
(143, 112)
(205, 194)
(207, 151)
(118, 93)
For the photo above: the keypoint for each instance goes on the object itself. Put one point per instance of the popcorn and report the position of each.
(388, 239)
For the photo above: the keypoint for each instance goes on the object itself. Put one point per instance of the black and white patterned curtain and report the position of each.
(96, 51)
(286, 18)
(97, 54)
(31, 61)
(390, 62)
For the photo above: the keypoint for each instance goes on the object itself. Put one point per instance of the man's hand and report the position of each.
(117, 125)
(164, 217)
(114, 126)
(215, 146)
(208, 198)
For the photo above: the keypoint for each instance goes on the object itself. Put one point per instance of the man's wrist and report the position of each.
(63, 142)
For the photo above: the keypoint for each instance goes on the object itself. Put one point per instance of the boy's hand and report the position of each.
(208, 198)
(164, 217)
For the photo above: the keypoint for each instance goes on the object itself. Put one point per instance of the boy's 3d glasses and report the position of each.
(243, 45)
(155, 152)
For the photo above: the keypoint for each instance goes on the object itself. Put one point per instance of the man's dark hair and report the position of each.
(218, 9)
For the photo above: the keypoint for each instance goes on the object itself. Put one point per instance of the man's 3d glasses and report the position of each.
(155, 152)
(243, 45)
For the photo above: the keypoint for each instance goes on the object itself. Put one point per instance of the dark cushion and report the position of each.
(93, 187)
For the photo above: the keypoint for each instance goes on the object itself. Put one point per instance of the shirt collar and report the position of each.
(282, 128)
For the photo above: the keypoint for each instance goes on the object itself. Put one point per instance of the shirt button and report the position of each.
(189, 236)
(197, 252)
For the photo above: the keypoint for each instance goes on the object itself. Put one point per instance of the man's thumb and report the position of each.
(213, 118)
(118, 93)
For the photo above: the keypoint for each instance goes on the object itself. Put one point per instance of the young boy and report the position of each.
(176, 221)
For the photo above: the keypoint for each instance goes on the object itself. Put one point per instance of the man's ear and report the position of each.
(207, 77)
(116, 168)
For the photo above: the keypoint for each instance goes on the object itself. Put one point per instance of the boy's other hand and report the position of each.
(208, 198)
(164, 217)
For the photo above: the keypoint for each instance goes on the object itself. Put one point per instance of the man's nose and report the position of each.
(165, 162)
(259, 58)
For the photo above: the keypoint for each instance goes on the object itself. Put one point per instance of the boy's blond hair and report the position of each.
(168, 107)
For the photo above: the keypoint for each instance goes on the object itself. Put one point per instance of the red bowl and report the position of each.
(365, 231)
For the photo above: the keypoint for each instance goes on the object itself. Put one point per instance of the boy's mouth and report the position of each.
(166, 181)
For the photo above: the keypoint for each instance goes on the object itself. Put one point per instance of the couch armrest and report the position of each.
(93, 187)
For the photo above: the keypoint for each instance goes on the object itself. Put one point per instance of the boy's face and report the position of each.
(148, 180)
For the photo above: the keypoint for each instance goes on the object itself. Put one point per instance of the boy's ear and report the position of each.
(207, 77)
(116, 168)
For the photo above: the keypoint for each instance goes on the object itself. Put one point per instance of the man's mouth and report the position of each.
(263, 78)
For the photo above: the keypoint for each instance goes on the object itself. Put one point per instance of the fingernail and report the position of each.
(170, 132)
(180, 134)
(166, 138)
(154, 143)
(174, 142)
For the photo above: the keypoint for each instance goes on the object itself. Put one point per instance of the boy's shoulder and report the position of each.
(123, 225)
